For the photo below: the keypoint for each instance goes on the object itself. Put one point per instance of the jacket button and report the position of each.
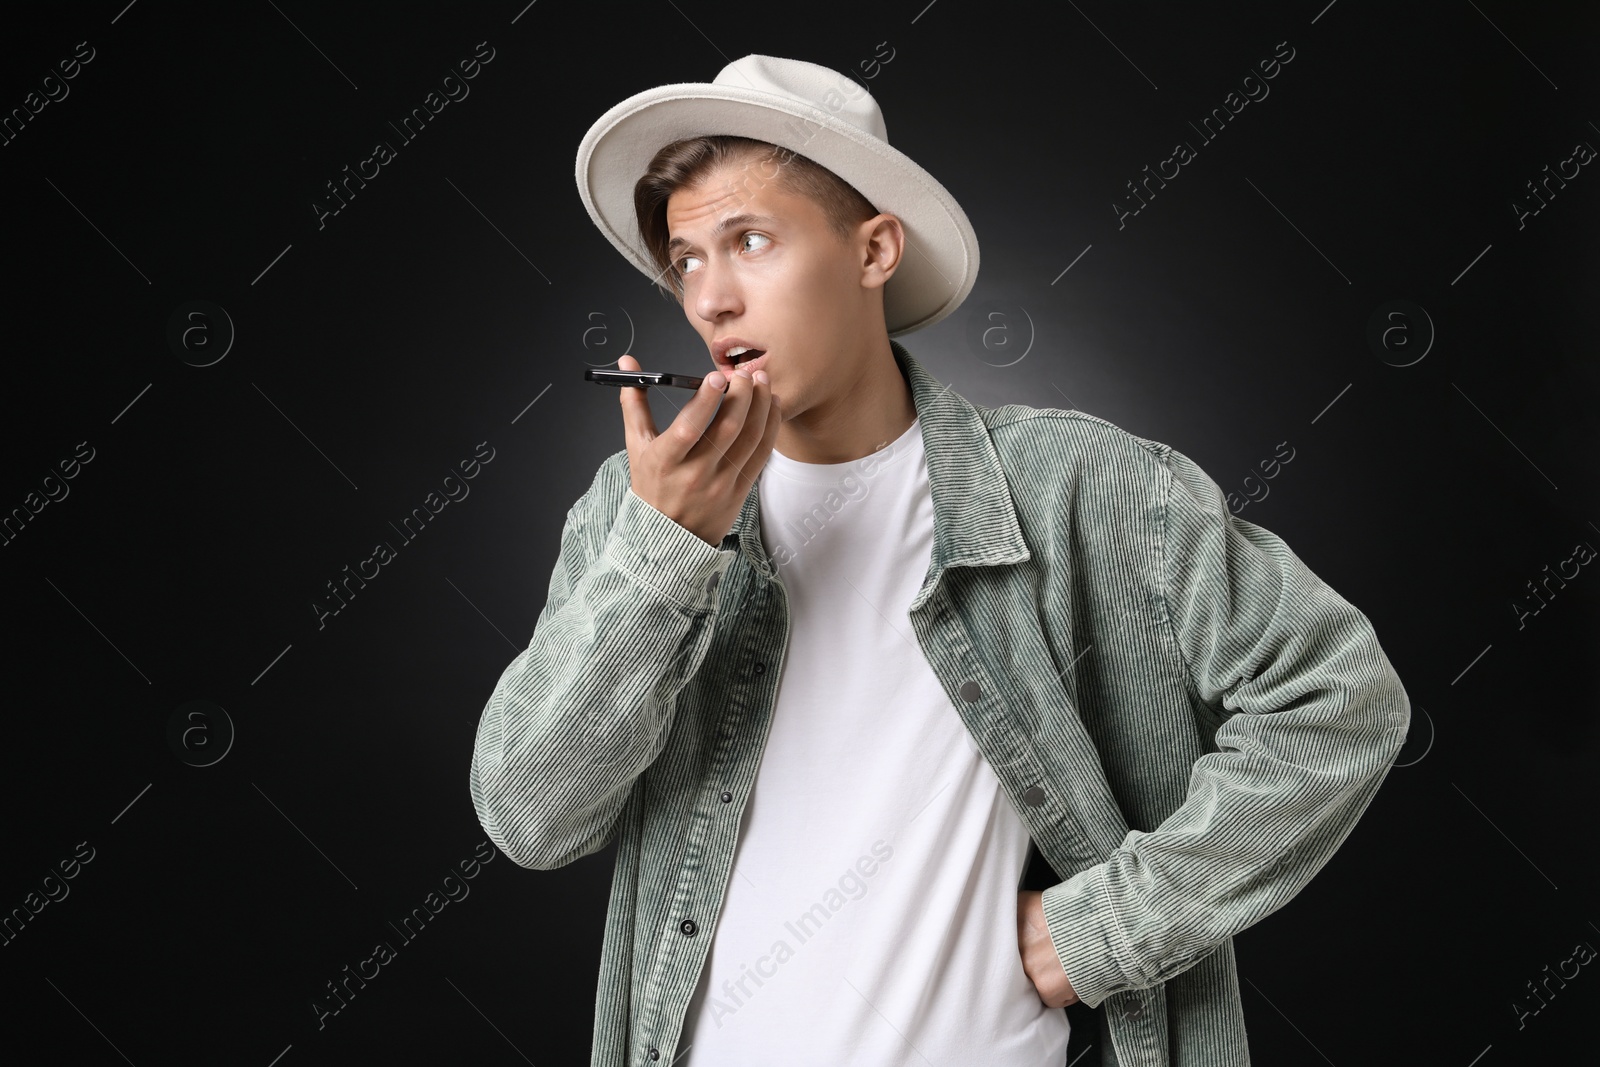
(971, 691)
(711, 583)
(761, 668)
(688, 927)
(1034, 796)
(727, 797)
(655, 1054)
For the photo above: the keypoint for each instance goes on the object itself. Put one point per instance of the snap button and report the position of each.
(1034, 796)
(655, 1054)
(971, 691)
(688, 927)
(760, 668)
(727, 797)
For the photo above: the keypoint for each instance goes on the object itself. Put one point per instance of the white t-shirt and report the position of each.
(871, 916)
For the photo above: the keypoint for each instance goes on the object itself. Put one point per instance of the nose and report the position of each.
(718, 292)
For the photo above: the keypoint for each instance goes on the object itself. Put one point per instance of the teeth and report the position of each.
(737, 354)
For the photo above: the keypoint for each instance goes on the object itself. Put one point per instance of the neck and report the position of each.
(859, 414)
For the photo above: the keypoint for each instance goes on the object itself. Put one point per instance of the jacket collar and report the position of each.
(975, 520)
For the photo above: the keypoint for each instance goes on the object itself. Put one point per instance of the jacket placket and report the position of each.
(1065, 800)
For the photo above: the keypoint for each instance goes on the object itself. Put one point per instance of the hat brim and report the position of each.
(940, 263)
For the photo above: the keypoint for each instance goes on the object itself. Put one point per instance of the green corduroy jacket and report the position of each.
(1187, 719)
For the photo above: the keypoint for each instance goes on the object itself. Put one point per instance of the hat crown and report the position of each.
(811, 84)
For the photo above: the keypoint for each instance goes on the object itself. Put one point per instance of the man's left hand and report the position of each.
(1039, 959)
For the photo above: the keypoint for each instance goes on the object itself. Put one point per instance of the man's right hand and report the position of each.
(697, 474)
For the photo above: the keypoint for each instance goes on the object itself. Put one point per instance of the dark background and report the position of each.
(458, 297)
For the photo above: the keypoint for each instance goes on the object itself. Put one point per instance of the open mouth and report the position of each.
(753, 358)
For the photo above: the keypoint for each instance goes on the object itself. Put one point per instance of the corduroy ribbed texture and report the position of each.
(1188, 720)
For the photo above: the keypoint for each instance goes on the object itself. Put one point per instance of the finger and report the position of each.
(755, 429)
(638, 424)
(769, 438)
(722, 435)
(701, 427)
(753, 464)
(732, 416)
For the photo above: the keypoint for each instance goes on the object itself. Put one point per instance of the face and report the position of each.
(761, 265)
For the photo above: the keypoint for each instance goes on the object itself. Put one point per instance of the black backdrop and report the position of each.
(217, 396)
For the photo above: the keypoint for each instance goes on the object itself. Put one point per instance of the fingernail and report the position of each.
(716, 380)
(761, 376)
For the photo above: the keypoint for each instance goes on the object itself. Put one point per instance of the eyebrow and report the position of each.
(729, 223)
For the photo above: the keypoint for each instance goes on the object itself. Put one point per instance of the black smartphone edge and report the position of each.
(642, 378)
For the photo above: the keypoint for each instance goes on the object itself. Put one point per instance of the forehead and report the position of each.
(732, 188)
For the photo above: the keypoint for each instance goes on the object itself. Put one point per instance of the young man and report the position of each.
(835, 653)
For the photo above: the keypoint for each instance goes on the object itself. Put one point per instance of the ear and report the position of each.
(882, 242)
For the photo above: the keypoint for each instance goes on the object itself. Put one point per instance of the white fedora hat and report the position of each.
(806, 108)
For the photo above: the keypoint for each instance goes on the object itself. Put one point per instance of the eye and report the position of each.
(749, 234)
(682, 264)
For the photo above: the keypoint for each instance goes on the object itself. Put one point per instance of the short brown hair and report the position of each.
(684, 162)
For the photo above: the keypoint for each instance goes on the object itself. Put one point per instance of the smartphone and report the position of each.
(642, 378)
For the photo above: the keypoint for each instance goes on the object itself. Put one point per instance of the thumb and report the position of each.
(638, 424)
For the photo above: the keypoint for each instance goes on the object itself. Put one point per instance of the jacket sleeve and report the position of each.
(1311, 716)
(580, 713)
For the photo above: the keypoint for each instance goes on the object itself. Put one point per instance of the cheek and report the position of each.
(820, 282)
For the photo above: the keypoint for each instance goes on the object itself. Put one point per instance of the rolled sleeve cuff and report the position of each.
(658, 552)
(1078, 913)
